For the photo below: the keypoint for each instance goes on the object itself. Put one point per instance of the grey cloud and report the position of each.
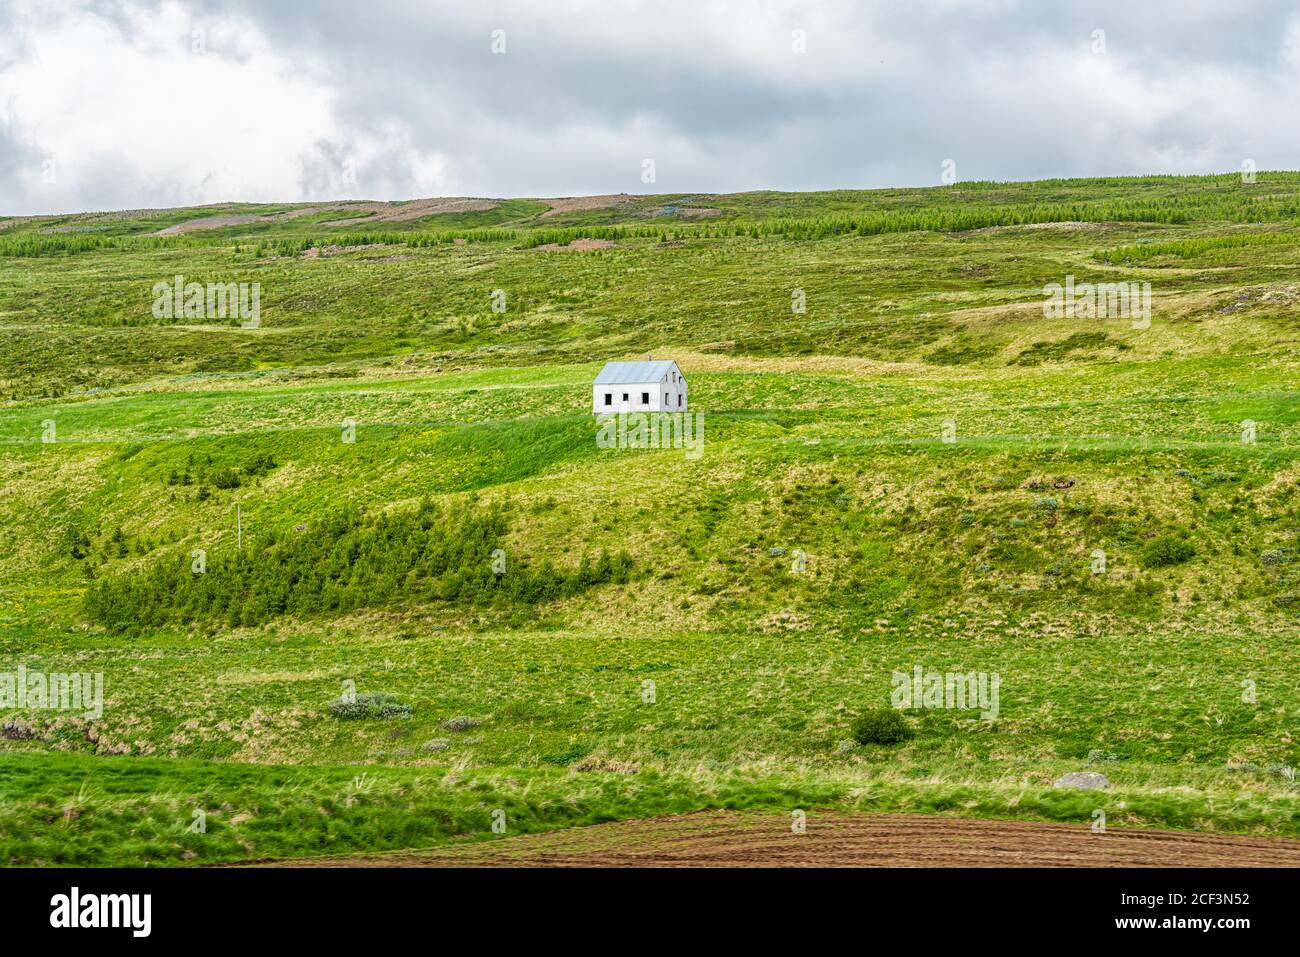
(886, 92)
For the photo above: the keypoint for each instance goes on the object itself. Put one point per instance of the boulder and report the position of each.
(1083, 780)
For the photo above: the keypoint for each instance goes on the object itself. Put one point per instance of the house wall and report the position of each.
(663, 396)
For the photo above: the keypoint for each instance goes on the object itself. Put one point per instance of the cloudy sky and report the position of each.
(120, 104)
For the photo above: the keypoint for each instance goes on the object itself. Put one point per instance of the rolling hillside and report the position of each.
(906, 463)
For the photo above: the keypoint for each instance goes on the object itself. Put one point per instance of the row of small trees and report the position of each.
(348, 561)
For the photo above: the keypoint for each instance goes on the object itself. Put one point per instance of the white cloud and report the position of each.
(333, 99)
(162, 108)
(1291, 43)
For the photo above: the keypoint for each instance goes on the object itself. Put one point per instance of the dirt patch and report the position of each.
(357, 213)
(752, 839)
(1071, 226)
(579, 245)
(210, 222)
(367, 213)
(238, 219)
(569, 204)
(324, 252)
(86, 222)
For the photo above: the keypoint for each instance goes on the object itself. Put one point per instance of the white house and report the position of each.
(650, 386)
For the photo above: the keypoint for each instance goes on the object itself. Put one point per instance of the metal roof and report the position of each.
(633, 373)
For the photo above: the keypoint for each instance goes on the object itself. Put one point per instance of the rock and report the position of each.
(1082, 780)
(18, 730)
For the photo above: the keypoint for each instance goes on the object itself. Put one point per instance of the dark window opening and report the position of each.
(609, 398)
(645, 398)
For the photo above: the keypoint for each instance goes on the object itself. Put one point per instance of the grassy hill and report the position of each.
(669, 632)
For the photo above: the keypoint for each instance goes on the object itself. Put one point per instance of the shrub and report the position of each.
(462, 723)
(378, 704)
(881, 726)
(226, 478)
(260, 464)
(1165, 551)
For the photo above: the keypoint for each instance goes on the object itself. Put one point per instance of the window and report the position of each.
(679, 400)
(645, 398)
(609, 398)
(666, 398)
(624, 396)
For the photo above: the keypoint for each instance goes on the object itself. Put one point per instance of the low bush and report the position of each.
(881, 726)
(378, 704)
(462, 723)
(1165, 551)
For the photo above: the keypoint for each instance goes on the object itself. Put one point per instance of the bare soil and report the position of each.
(356, 213)
(1069, 226)
(415, 209)
(578, 245)
(832, 839)
(319, 252)
(237, 219)
(568, 204)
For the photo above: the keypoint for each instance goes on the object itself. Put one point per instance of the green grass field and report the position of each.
(919, 469)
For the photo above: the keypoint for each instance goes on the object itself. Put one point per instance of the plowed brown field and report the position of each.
(831, 839)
